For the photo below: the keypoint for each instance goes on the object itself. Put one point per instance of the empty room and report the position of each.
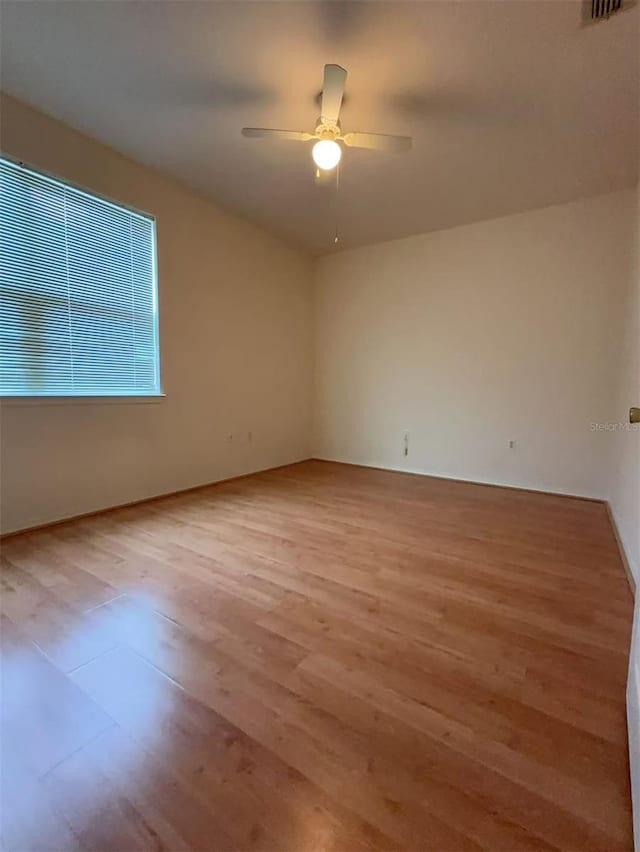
(319, 425)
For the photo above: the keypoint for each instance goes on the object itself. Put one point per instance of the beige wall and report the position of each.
(235, 330)
(475, 336)
(624, 488)
(625, 498)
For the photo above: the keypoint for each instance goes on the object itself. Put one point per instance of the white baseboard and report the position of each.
(631, 570)
(53, 520)
(633, 682)
(633, 723)
(417, 471)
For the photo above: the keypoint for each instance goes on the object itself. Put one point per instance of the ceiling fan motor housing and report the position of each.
(327, 131)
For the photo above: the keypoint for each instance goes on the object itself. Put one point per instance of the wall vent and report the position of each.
(601, 10)
(604, 8)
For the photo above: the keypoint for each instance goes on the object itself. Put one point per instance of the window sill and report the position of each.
(29, 401)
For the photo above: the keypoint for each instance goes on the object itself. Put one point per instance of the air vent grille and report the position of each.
(604, 8)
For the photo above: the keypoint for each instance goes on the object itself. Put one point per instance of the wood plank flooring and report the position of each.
(319, 657)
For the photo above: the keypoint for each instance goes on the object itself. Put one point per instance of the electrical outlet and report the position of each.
(405, 442)
(512, 445)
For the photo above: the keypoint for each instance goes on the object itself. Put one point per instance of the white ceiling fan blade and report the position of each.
(377, 141)
(259, 132)
(332, 92)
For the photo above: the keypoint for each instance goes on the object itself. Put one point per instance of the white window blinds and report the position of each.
(78, 296)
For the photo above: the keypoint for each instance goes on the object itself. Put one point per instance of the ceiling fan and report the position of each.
(327, 152)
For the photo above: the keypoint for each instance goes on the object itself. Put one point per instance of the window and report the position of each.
(78, 294)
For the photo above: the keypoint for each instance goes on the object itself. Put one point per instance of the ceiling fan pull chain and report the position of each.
(336, 236)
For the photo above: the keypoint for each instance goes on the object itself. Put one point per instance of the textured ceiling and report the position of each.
(512, 105)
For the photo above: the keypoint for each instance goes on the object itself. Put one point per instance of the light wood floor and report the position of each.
(320, 657)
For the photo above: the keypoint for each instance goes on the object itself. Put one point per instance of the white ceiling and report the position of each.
(512, 104)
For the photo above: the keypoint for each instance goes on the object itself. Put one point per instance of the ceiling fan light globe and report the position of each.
(326, 154)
